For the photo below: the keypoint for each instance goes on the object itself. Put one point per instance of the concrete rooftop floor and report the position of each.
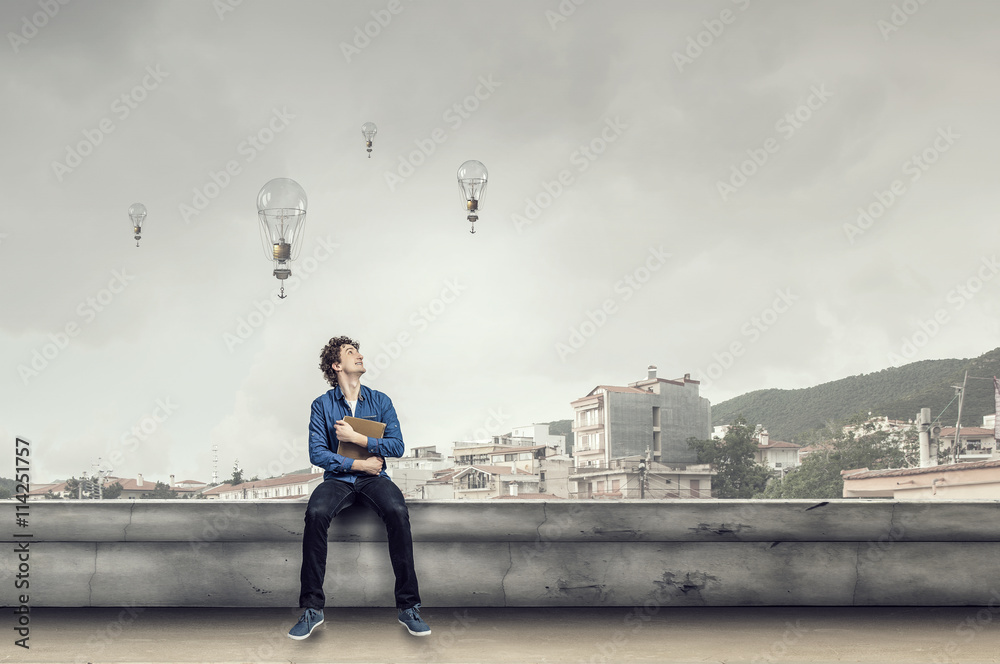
(460, 635)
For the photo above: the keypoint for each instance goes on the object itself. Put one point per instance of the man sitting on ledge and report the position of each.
(347, 480)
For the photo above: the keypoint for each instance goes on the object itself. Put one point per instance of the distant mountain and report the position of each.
(897, 392)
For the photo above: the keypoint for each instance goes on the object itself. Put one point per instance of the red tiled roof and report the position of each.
(966, 431)
(442, 479)
(899, 472)
(675, 381)
(778, 443)
(272, 482)
(42, 489)
(629, 390)
(130, 484)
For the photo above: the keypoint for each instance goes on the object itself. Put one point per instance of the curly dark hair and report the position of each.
(331, 354)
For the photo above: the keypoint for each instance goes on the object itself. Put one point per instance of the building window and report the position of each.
(475, 481)
(588, 417)
(616, 485)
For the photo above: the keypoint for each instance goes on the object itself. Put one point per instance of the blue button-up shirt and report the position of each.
(332, 406)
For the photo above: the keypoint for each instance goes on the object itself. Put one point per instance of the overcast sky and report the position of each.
(670, 183)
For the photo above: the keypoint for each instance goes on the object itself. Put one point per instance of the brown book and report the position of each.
(369, 428)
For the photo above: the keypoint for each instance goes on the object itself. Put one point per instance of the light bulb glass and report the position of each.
(137, 212)
(368, 130)
(281, 208)
(472, 176)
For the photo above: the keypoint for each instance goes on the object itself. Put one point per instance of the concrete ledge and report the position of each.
(518, 553)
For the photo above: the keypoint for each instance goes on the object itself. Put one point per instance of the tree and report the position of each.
(820, 477)
(80, 488)
(91, 488)
(738, 474)
(161, 491)
(237, 477)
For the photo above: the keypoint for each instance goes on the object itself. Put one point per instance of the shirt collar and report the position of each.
(338, 394)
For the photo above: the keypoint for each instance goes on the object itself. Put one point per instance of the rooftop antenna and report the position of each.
(215, 464)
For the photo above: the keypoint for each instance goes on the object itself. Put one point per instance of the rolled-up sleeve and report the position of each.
(321, 453)
(391, 444)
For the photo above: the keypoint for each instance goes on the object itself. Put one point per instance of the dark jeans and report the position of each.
(327, 501)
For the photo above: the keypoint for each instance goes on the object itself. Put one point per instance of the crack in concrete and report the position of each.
(857, 575)
(90, 588)
(503, 589)
(256, 589)
(538, 529)
(130, 512)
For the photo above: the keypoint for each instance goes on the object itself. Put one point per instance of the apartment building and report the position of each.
(777, 455)
(614, 422)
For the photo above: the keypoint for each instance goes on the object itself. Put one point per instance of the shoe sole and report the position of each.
(306, 636)
(427, 633)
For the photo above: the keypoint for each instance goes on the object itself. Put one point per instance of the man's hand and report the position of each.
(346, 434)
(372, 465)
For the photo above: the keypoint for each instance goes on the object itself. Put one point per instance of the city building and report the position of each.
(777, 455)
(186, 488)
(873, 424)
(133, 489)
(440, 486)
(654, 414)
(478, 482)
(533, 434)
(417, 467)
(973, 480)
(295, 486)
(43, 491)
(629, 478)
(504, 470)
(975, 443)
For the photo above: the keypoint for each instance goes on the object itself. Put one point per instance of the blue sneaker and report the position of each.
(310, 620)
(410, 619)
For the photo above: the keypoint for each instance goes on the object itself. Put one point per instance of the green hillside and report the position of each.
(897, 392)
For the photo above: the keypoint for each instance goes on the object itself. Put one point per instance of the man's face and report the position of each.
(351, 361)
